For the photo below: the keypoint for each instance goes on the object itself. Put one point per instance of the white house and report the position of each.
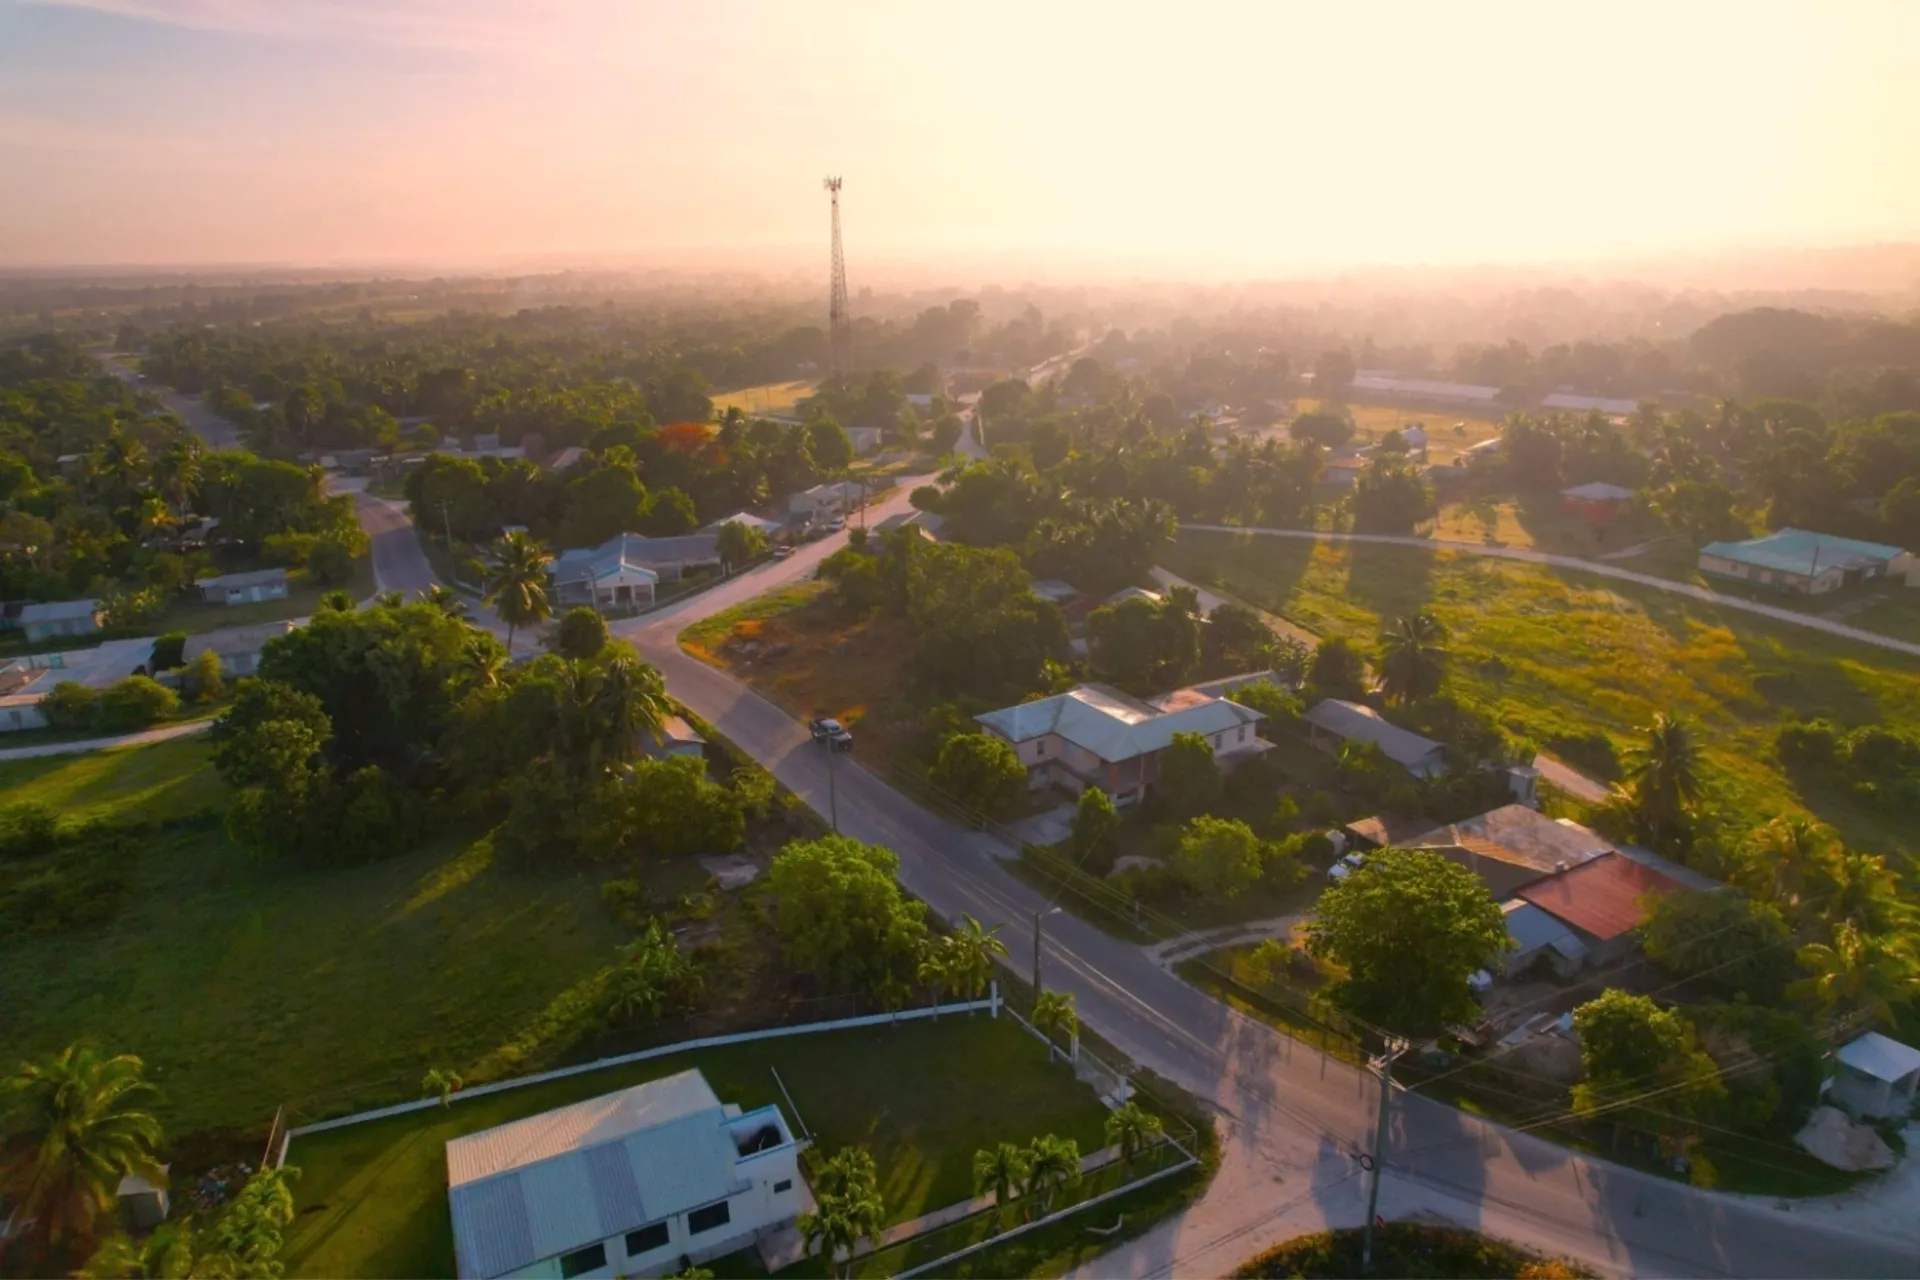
(1098, 736)
(626, 1184)
(238, 648)
(747, 518)
(624, 571)
(244, 588)
(825, 501)
(59, 618)
(1876, 1077)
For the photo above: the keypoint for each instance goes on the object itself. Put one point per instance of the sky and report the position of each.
(1202, 137)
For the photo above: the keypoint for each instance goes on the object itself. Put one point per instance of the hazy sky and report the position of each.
(1169, 135)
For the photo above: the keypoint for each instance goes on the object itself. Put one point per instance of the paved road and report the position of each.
(1292, 1119)
(1589, 566)
(215, 430)
(81, 745)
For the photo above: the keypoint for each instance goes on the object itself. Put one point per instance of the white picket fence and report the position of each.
(992, 1005)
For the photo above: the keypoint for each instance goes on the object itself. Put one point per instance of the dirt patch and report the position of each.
(731, 870)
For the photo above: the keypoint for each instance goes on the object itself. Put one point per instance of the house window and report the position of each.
(1243, 734)
(784, 1185)
(714, 1215)
(581, 1261)
(1040, 747)
(646, 1239)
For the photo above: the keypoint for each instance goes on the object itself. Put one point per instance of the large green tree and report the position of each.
(1219, 857)
(1630, 1047)
(843, 918)
(1190, 782)
(982, 772)
(1410, 928)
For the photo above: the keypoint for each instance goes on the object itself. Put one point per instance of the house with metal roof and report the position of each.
(1876, 1077)
(243, 588)
(1806, 563)
(629, 1183)
(1098, 736)
(1569, 402)
(58, 618)
(624, 571)
(1539, 937)
(1331, 722)
(1603, 901)
(238, 648)
(1382, 382)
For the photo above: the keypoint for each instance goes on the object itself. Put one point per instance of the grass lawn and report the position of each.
(923, 1097)
(1504, 520)
(770, 397)
(1553, 654)
(193, 615)
(1444, 441)
(160, 783)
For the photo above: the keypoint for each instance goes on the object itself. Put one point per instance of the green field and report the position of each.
(771, 397)
(160, 783)
(1555, 654)
(922, 1097)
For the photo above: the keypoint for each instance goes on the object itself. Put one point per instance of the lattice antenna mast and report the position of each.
(839, 316)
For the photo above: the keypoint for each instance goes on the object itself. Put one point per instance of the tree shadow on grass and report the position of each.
(1391, 581)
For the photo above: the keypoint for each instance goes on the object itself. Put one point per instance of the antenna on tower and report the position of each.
(839, 317)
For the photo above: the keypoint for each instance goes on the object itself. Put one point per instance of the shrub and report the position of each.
(169, 651)
(202, 681)
(288, 550)
(582, 634)
(134, 703)
(71, 880)
(330, 562)
(69, 706)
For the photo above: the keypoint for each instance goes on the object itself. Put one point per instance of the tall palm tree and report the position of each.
(1413, 657)
(1663, 774)
(1859, 972)
(847, 1190)
(176, 472)
(79, 1126)
(1133, 1129)
(1053, 1012)
(1863, 890)
(971, 951)
(631, 700)
(1784, 860)
(1001, 1170)
(482, 662)
(1053, 1162)
(517, 583)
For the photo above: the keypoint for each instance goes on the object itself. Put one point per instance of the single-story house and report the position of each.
(824, 501)
(1333, 721)
(244, 588)
(1571, 403)
(1603, 901)
(1388, 830)
(864, 440)
(1125, 594)
(1538, 935)
(928, 523)
(674, 737)
(1098, 736)
(629, 1184)
(625, 570)
(747, 518)
(1596, 502)
(25, 681)
(1055, 590)
(1875, 1077)
(1808, 563)
(59, 618)
(1513, 846)
(239, 648)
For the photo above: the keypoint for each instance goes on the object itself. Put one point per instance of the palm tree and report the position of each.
(630, 700)
(1862, 890)
(165, 1254)
(176, 473)
(79, 1127)
(1053, 1011)
(1787, 857)
(446, 600)
(971, 951)
(482, 661)
(445, 1083)
(1663, 774)
(1053, 1162)
(1001, 1170)
(1859, 972)
(1413, 657)
(1133, 1129)
(847, 1189)
(517, 583)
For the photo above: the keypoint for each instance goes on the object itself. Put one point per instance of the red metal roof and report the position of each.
(1601, 897)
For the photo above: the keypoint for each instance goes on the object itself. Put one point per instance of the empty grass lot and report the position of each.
(1554, 653)
(922, 1097)
(771, 397)
(161, 783)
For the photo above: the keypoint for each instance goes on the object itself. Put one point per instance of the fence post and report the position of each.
(993, 996)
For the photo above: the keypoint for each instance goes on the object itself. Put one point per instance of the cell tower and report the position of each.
(839, 318)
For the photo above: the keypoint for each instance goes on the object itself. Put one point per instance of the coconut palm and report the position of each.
(971, 951)
(1133, 1129)
(446, 600)
(1001, 1170)
(517, 583)
(445, 1083)
(629, 700)
(165, 1254)
(176, 473)
(1862, 890)
(1413, 658)
(1053, 1012)
(79, 1125)
(1860, 973)
(1785, 859)
(1053, 1162)
(1663, 774)
(847, 1190)
(482, 661)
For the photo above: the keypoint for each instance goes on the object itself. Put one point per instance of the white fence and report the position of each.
(992, 1004)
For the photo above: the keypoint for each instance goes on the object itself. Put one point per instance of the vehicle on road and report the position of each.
(782, 552)
(832, 733)
(836, 524)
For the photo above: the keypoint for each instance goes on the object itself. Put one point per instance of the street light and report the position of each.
(1039, 916)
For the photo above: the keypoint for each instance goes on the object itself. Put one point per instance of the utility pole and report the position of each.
(1395, 1048)
(1039, 928)
(446, 516)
